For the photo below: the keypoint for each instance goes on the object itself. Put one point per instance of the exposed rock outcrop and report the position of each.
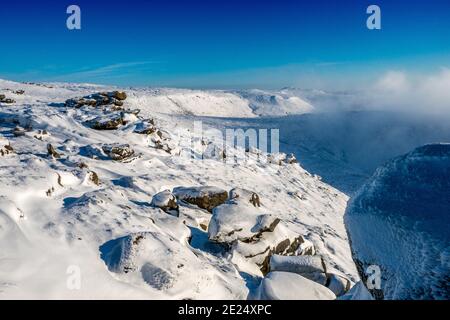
(205, 197)
(118, 152)
(5, 147)
(98, 99)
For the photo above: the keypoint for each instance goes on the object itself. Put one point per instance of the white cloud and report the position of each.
(400, 91)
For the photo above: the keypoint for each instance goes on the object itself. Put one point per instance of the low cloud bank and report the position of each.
(400, 91)
(396, 91)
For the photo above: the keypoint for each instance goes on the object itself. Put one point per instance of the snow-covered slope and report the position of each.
(279, 103)
(399, 220)
(77, 216)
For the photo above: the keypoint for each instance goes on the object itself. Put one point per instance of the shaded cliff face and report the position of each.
(399, 220)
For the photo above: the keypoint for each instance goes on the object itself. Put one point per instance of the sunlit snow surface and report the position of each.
(56, 223)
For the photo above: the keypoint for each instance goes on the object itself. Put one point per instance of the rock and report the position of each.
(118, 152)
(214, 152)
(119, 95)
(19, 132)
(109, 122)
(166, 201)
(147, 127)
(115, 98)
(290, 286)
(204, 197)
(3, 99)
(259, 250)
(276, 158)
(118, 103)
(297, 264)
(161, 140)
(399, 222)
(357, 292)
(310, 267)
(233, 221)
(238, 194)
(19, 92)
(5, 147)
(291, 159)
(93, 177)
(52, 152)
(339, 284)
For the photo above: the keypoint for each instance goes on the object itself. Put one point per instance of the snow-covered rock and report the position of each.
(5, 147)
(281, 241)
(290, 286)
(107, 122)
(166, 201)
(338, 283)
(399, 221)
(118, 152)
(297, 264)
(232, 221)
(205, 197)
(245, 196)
(310, 267)
(357, 292)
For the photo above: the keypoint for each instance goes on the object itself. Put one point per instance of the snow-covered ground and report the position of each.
(78, 212)
(101, 197)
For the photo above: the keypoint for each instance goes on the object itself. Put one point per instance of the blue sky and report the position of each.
(221, 44)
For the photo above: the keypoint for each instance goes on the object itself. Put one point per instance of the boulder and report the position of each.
(357, 292)
(205, 197)
(119, 95)
(259, 250)
(115, 98)
(19, 132)
(5, 147)
(290, 286)
(298, 264)
(118, 152)
(147, 127)
(4, 99)
(166, 201)
(245, 196)
(291, 159)
(233, 221)
(52, 152)
(310, 267)
(338, 283)
(108, 122)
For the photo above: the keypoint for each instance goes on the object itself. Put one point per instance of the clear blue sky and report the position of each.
(223, 44)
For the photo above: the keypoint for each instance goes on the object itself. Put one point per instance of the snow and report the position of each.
(291, 286)
(399, 221)
(232, 221)
(54, 215)
(357, 292)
